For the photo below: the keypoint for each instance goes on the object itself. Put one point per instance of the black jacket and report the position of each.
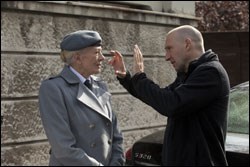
(196, 105)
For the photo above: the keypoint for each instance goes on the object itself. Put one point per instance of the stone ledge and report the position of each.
(100, 11)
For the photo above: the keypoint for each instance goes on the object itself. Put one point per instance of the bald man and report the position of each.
(196, 103)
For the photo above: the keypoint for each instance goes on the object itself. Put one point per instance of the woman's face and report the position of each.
(89, 61)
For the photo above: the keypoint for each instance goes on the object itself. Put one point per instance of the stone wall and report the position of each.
(30, 37)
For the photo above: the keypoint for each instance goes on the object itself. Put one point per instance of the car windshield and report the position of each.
(239, 109)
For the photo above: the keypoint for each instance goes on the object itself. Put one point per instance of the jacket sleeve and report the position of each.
(126, 82)
(197, 92)
(117, 158)
(57, 127)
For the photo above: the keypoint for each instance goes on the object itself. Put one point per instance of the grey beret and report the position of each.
(80, 39)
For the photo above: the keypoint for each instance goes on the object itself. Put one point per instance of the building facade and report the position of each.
(30, 35)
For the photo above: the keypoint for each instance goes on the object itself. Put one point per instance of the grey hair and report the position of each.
(67, 56)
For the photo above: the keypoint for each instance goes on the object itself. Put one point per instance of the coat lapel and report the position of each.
(88, 98)
(103, 98)
(96, 99)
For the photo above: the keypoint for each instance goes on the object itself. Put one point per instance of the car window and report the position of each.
(239, 110)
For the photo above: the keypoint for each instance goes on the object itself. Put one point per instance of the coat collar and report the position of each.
(208, 56)
(96, 99)
(71, 78)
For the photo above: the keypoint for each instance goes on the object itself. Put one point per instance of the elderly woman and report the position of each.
(75, 107)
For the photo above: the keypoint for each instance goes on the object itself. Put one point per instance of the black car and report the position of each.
(147, 150)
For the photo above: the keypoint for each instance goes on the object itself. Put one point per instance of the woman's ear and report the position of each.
(76, 58)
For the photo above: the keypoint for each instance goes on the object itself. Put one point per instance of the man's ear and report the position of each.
(188, 43)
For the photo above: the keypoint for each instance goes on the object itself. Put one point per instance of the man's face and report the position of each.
(90, 60)
(175, 52)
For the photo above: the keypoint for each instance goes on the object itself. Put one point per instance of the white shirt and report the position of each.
(82, 79)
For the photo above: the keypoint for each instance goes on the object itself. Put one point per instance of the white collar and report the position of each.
(82, 79)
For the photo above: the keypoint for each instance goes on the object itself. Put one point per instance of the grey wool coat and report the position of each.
(79, 133)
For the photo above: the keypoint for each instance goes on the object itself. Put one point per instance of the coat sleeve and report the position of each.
(54, 116)
(198, 91)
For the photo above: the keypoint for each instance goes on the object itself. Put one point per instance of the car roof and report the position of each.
(242, 85)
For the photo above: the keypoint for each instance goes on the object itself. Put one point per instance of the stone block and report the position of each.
(27, 31)
(132, 113)
(35, 154)
(21, 122)
(21, 31)
(21, 75)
